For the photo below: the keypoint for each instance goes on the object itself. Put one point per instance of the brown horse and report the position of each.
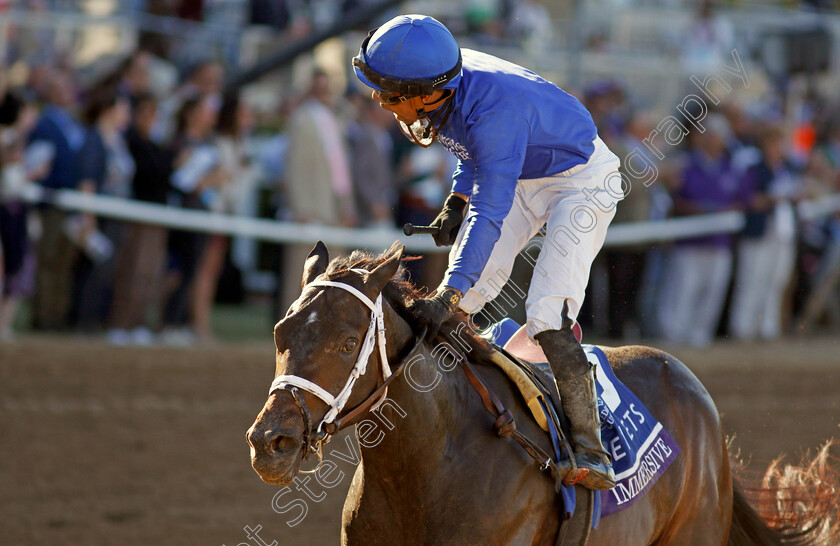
(440, 475)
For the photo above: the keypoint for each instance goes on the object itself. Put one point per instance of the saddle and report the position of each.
(526, 366)
(529, 360)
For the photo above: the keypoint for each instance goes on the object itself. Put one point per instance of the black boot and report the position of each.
(576, 383)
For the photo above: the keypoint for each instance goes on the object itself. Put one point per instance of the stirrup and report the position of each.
(597, 476)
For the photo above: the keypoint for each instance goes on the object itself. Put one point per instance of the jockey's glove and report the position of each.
(434, 311)
(449, 220)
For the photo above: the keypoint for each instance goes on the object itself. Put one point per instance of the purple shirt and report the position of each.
(711, 186)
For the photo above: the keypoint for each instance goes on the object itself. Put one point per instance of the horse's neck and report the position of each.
(424, 408)
(413, 427)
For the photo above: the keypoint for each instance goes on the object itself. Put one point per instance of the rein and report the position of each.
(504, 426)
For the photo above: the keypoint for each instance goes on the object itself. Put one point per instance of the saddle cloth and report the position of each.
(640, 448)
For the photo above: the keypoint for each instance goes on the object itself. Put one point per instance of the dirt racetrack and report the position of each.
(146, 446)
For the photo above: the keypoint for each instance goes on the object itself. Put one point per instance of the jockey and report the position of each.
(528, 155)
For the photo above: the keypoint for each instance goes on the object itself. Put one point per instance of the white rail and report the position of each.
(377, 238)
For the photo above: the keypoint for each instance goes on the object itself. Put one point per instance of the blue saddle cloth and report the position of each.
(639, 446)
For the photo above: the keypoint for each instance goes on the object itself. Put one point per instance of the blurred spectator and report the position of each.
(319, 186)
(530, 24)
(204, 79)
(53, 145)
(742, 145)
(824, 162)
(707, 42)
(767, 249)
(137, 74)
(131, 77)
(625, 265)
(371, 148)
(198, 175)
(701, 267)
(154, 65)
(819, 250)
(653, 289)
(105, 167)
(38, 83)
(743, 126)
(17, 261)
(483, 20)
(275, 13)
(606, 102)
(235, 125)
(10, 103)
(236, 120)
(425, 175)
(141, 267)
(190, 9)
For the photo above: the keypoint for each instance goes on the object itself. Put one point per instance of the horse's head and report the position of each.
(328, 357)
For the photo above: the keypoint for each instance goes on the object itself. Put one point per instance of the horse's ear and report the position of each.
(387, 269)
(316, 263)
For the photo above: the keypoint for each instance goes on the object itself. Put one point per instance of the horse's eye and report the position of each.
(349, 345)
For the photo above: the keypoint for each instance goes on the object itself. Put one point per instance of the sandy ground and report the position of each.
(146, 446)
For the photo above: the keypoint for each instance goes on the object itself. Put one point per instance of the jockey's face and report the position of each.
(406, 110)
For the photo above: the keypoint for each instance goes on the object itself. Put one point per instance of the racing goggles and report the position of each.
(396, 87)
(390, 97)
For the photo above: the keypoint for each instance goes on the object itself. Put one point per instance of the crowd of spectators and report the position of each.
(139, 132)
(92, 274)
(748, 285)
(125, 136)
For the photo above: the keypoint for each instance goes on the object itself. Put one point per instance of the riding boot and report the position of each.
(576, 383)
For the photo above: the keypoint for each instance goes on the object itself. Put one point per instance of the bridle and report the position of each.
(331, 423)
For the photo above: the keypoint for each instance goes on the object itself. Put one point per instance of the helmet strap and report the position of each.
(440, 116)
(425, 129)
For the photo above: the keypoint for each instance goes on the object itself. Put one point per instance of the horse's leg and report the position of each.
(704, 513)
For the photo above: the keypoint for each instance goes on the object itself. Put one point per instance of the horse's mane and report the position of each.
(399, 285)
(400, 292)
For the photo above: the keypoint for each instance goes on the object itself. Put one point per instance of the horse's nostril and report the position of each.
(278, 443)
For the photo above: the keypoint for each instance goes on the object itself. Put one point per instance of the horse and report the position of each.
(439, 474)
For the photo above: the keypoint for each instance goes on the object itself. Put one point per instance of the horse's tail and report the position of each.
(795, 505)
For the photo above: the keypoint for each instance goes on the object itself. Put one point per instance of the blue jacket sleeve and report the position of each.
(463, 178)
(497, 141)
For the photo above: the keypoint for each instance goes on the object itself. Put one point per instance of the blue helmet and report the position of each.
(410, 55)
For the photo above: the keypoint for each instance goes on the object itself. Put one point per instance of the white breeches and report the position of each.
(576, 207)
